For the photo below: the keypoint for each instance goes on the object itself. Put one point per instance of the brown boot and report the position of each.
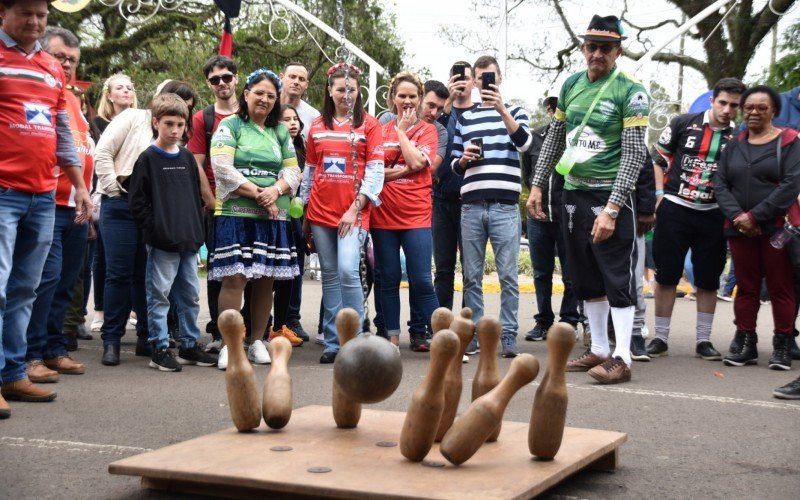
(24, 390)
(37, 372)
(66, 365)
(5, 410)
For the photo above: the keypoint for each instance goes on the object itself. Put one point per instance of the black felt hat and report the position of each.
(604, 29)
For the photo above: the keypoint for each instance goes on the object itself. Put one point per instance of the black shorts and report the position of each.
(607, 268)
(680, 228)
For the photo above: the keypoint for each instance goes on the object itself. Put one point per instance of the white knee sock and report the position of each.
(623, 326)
(704, 322)
(597, 314)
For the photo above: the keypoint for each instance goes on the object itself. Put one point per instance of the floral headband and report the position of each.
(342, 65)
(264, 71)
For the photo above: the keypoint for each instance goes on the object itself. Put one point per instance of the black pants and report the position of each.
(446, 229)
(600, 269)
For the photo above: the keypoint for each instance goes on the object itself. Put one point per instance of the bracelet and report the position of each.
(280, 191)
(659, 192)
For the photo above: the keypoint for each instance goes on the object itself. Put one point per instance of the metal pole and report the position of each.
(373, 90)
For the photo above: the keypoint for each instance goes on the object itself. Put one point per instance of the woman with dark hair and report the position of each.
(338, 194)
(758, 179)
(404, 218)
(256, 172)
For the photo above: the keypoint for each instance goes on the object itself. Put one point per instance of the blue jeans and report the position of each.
(126, 259)
(499, 224)
(446, 221)
(730, 281)
(546, 240)
(46, 339)
(172, 275)
(416, 245)
(339, 260)
(26, 232)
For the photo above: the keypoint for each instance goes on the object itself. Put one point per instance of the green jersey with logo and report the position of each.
(259, 155)
(624, 104)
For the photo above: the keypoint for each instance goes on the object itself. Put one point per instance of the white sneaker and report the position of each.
(214, 346)
(132, 319)
(222, 359)
(465, 359)
(257, 353)
(646, 333)
(97, 323)
(320, 339)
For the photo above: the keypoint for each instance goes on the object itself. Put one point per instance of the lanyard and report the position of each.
(591, 107)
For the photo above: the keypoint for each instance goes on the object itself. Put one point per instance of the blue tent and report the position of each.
(702, 103)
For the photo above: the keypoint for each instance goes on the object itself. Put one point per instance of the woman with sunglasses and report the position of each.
(338, 194)
(757, 180)
(256, 172)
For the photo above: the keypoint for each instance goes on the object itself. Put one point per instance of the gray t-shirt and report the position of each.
(307, 115)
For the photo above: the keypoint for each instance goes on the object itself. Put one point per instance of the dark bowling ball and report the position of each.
(368, 369)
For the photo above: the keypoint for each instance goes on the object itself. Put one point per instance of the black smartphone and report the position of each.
(488, 79)
(478, 142)
(459, 70)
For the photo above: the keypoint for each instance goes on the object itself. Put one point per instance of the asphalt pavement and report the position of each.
(696, 429)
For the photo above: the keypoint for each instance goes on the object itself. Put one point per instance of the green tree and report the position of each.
(785, 73)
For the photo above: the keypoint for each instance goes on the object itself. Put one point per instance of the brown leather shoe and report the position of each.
(5, 410)
(66, 365)
(612, 371)
(24, 390)
(37, 372)
(584, 362)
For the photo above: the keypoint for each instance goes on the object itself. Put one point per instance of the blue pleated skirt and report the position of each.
(254, 248)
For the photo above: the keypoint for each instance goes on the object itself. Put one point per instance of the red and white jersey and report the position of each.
(328, 153)
(84, 144)
(406, 202)
(32, 93)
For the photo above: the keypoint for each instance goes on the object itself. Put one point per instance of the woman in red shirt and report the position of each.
(403, 219)
(337, 218)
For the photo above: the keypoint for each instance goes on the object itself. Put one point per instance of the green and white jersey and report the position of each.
(624, 104)
(259, 155)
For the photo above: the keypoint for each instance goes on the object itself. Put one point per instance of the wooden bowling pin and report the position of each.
(346, 412)
(240, 378)
(487, 375)
(441, 319)
(466, 313)
(484, 415)
(452, 380)
(550, 403)
(277, 401)
(427, 402)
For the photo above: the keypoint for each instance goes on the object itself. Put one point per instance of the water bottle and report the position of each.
(782, 237)
(296, 208)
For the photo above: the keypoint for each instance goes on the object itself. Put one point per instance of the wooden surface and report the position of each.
(234, 464)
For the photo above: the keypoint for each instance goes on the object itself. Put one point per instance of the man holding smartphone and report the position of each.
(486, 147)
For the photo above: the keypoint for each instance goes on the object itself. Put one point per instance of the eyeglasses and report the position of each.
(63, 58)
(227, 78)
(261, 94)
(756, 108)
(605, 48)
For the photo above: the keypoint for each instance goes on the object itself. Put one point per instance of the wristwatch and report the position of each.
(280, 191)
(611, 212)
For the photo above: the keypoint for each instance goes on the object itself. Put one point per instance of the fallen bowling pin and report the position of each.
(240, 379)
(471, 429)
(277, 401)
(427, 402)
(346, 412)
(441, 319)
(453, 384)
(487, 375)
(549, 413)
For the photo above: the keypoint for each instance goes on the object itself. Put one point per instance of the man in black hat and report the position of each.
(599, 128)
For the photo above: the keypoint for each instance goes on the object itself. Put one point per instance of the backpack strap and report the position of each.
(208, 122)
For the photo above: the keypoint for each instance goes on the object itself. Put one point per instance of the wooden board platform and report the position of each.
(244, 465)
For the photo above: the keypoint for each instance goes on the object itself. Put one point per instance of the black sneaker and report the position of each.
(419, 343)
(327, 358)
(657, 348)
(638, 351)
(539, 332)
(144, 349)
(788, 391)
(473, 347)
(164, 361)
(508, 347)
(706, 351)
(297, 328)
(195, 356)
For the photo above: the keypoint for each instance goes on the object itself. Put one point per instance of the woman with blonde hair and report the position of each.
(118, 94)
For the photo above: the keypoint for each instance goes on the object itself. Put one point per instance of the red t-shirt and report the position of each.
(328, 152)
(406, 202)
(197, 144)
(32, 92)
(65, 192)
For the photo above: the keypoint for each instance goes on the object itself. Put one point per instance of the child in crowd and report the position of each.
(167, 207)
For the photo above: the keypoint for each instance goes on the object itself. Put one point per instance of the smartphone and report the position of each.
(488, 79)
(460, 71)
(478, 142)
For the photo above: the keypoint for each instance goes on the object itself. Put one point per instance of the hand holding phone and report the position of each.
(487, 78)
(459, 70)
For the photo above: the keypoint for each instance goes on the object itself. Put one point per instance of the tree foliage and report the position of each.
(785, 73)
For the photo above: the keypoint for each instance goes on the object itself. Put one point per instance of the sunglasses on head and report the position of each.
(227, 78)
(605, 48)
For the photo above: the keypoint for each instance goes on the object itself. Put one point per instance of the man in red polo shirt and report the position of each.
(35, 133)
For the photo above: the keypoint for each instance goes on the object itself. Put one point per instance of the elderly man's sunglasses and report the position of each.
(605, 48)
(227, 78)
